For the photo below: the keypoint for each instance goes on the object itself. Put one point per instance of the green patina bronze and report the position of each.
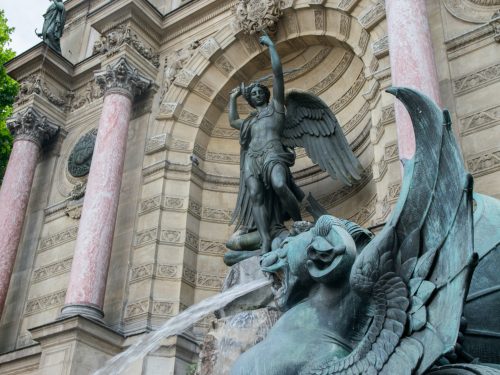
(268, 194)
(53, 25)
(391, 305)
(81, 156)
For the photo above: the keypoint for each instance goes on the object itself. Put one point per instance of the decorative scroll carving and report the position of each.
(291, 23)
(59, 238)
(484, 163)
(474, 11)
(51, 270)
(377, 132)
(173, 203)
(174, 63)
(168, 271)
(222, 158)
(210, 282)
(209, 47)
(381, 47)
(347, 5)
(363, 40)
(374, 64)
(123, 78)
(184, 78)
(480, 120)
(224, 65)
(366, 212)
(356, 119)
(373, 15)
(391, 152)
(189, 275)
(137, 308)
(388, 201)
(170, 236)
(204, 90)
(207, 126)
(163, 308)
(32, 126)
(85, 95)
(476, 80)
(46, 302)
(257, 15)
(225, 133)
(345, 25)
(194, 208)
(192, 240)
(145, 237)
(217, 215)
(209, 247)
(123, 34)
(189, 118)
(296, 73)
(150, 204)
(141, 272)
(388, 114)
(349, 95)
(334, 75)
(162, 142)
(81, 157)
(34, 84)
(319, 19)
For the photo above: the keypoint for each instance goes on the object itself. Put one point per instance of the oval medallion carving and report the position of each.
(81, 156)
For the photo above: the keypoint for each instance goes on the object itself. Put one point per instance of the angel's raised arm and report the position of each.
(279, 81)
(234, 118)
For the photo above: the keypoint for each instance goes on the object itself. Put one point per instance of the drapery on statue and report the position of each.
(53, 25)
(268, 194)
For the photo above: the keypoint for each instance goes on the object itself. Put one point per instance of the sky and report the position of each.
(25, 16)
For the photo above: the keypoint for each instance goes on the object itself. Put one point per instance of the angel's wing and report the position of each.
(415, 273)
(312, 125)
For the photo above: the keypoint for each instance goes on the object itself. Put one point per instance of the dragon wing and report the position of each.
(415, 273)
(311, 124)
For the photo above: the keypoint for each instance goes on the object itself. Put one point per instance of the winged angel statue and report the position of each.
(268, 194)
(394, 305)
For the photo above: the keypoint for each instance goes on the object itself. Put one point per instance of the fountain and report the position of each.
(176, 326)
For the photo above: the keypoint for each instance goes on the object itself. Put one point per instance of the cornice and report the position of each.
(198, 13)
(38, 57)
(471, 40)
(141, 12)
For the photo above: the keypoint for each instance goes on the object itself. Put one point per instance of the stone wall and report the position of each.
(181, 170)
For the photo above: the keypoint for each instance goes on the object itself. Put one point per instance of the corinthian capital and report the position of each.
(122, 78)
(30, 125)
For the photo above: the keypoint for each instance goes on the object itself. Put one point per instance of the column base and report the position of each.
(87, 311)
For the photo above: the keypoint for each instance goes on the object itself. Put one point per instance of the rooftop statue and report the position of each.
(268, 194)
(392, 306)
(53, 25)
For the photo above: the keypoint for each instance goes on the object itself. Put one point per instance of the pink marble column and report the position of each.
(89, 271)
(412, 61)
(30, 130)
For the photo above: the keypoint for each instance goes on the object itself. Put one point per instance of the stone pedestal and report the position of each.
(412, 61)
(85, 295)
(241, 324)
(30, 130)
(68, 344)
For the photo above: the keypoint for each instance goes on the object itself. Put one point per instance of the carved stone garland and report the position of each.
(257, 15)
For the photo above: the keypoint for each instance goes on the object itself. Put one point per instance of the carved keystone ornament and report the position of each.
(122, 78)
(257, 15)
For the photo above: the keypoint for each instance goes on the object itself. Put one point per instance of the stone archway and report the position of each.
(328, 50)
